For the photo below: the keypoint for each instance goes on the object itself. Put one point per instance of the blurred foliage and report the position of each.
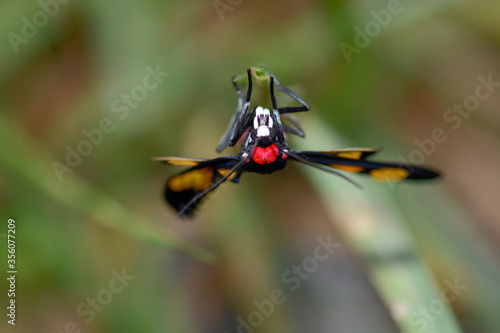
(400, 245)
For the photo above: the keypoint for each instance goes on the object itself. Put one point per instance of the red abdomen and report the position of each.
(265, 155)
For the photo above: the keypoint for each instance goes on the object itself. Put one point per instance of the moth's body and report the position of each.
(264, 150)
(266, 156)
(266, 160)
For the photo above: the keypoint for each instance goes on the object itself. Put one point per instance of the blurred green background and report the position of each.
(64, 67)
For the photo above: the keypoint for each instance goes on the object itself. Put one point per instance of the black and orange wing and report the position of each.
(354, 160)
(182, 188)
(180, 161)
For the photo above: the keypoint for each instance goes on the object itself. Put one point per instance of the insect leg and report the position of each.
(275, 115)
(233, 124)
(236, 135)
(289, 109)
(297, 130)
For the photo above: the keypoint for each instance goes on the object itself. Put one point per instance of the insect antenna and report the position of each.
(246, 156)
(306, 162)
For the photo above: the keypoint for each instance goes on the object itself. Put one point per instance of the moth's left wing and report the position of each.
(184, 191)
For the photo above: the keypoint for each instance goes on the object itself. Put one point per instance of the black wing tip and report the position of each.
(158, 160)
(178, 201)
(186, 216)
(184, 213)
(422, 173)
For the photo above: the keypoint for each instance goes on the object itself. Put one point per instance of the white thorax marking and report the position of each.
(262, 121)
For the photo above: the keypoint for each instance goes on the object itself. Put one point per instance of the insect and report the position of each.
(241, 121)
(264, 151)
